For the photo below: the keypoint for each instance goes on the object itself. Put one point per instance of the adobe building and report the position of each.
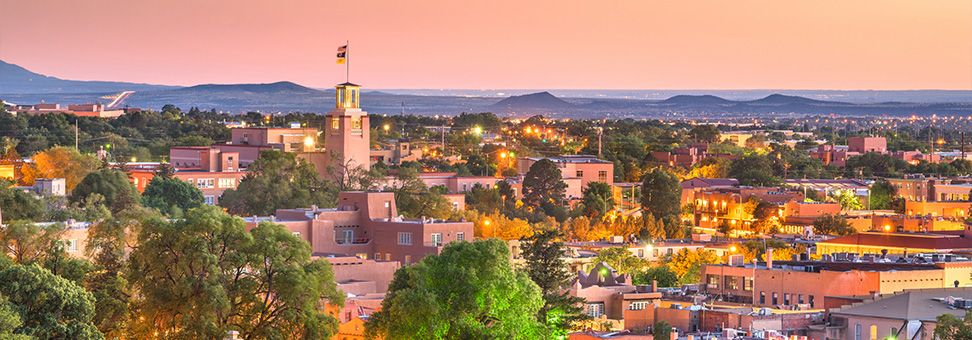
(612, 297)
(577, 171)
(862, 144)
(820, 284)
(911, 314)
(899, 243)
(367, 225)
(292, 139)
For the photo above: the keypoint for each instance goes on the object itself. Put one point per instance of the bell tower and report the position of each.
(347, 132)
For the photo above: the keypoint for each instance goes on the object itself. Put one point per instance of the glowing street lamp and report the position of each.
(309, 141)
(477, 130)
(386, 127)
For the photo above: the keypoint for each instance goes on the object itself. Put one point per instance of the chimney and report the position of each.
(769, 258)
(654, 286)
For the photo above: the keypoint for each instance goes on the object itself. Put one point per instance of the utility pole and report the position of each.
(76, 133)
(962, 144)
(600, 132)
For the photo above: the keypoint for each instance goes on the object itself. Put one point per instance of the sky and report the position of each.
(496, 44)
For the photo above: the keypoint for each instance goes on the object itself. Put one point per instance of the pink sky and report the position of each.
(469, 44)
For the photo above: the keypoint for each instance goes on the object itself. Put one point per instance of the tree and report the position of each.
(832, 225)
(882, 194)
(112, 185)
(60, 162)
(470, 290)
(598, 199)
(544, 256)
(483, 199)
(662, 274)
(171, 196)
(950, 327)
(712, 167)
(205, 275)
(27, 242)
(51, 307)
(755, 170)
(429, 204)
(687, 264)
(621, 259)
(278, 180)
(661, 331)
(543, 183)
(18, 205)
(704, 133)
(660, 196)
(10, 320)
(847, 199)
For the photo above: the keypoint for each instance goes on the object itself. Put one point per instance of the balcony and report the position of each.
(353, 242)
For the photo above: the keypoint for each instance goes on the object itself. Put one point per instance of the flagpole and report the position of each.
(347, 59)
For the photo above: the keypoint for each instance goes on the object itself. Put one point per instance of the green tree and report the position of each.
(832, 225)
(27, 242)
(755, 170)
(847, 199)
(485, 200)
(10, 320)
(704, 133)
(882, 194)
(470, 290)
(171, 196)
(662, 274)
(660, 196)
(205, 275)
(544, 255)
(278, 180)
(950, 327)
(51, 307)
(661, 331)
(112, 185)
(18, 205)
(543, 183)
(621, 259)
(598, 199)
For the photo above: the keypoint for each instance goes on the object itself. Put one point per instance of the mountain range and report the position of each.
(19, 85)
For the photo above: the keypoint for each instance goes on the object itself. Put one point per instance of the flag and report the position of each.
(342, 54)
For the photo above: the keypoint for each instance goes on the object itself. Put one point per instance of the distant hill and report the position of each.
(781, 99)
(540, 101)
(284, 87)
(705, 99)
(18, 80)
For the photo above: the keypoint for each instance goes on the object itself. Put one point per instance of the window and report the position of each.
(348, 236)
(810, 300)
(762, 298)
(387, 256)
(748, 284)
(436, 239)
(356, 123)
(732, 282)
(580, 173)
(460, 236)
(775, 299)
(800, 299)
(205, 183)
(786, 299)
(857, 332)
(378, 256)
(295, 233)
(227, 182)
(873, 332)
(209, 200)
(363, 256)
(595, 309)
(408, 259)
(713, 281)
(638, 305)
(335, 123)
(602, 176)
(72, 245)
(455, 205)
(405, 239)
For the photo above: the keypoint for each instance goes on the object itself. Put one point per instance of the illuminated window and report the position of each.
(356, 123)
(335, 123)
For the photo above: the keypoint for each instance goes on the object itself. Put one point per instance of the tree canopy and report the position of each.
(278, 180)
(112, 185)
(543, 183)
(170, 195)
(470, 290)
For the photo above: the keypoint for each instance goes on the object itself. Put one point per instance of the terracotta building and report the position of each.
(367, 225)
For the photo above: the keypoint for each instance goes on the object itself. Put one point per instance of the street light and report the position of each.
(386, 127)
